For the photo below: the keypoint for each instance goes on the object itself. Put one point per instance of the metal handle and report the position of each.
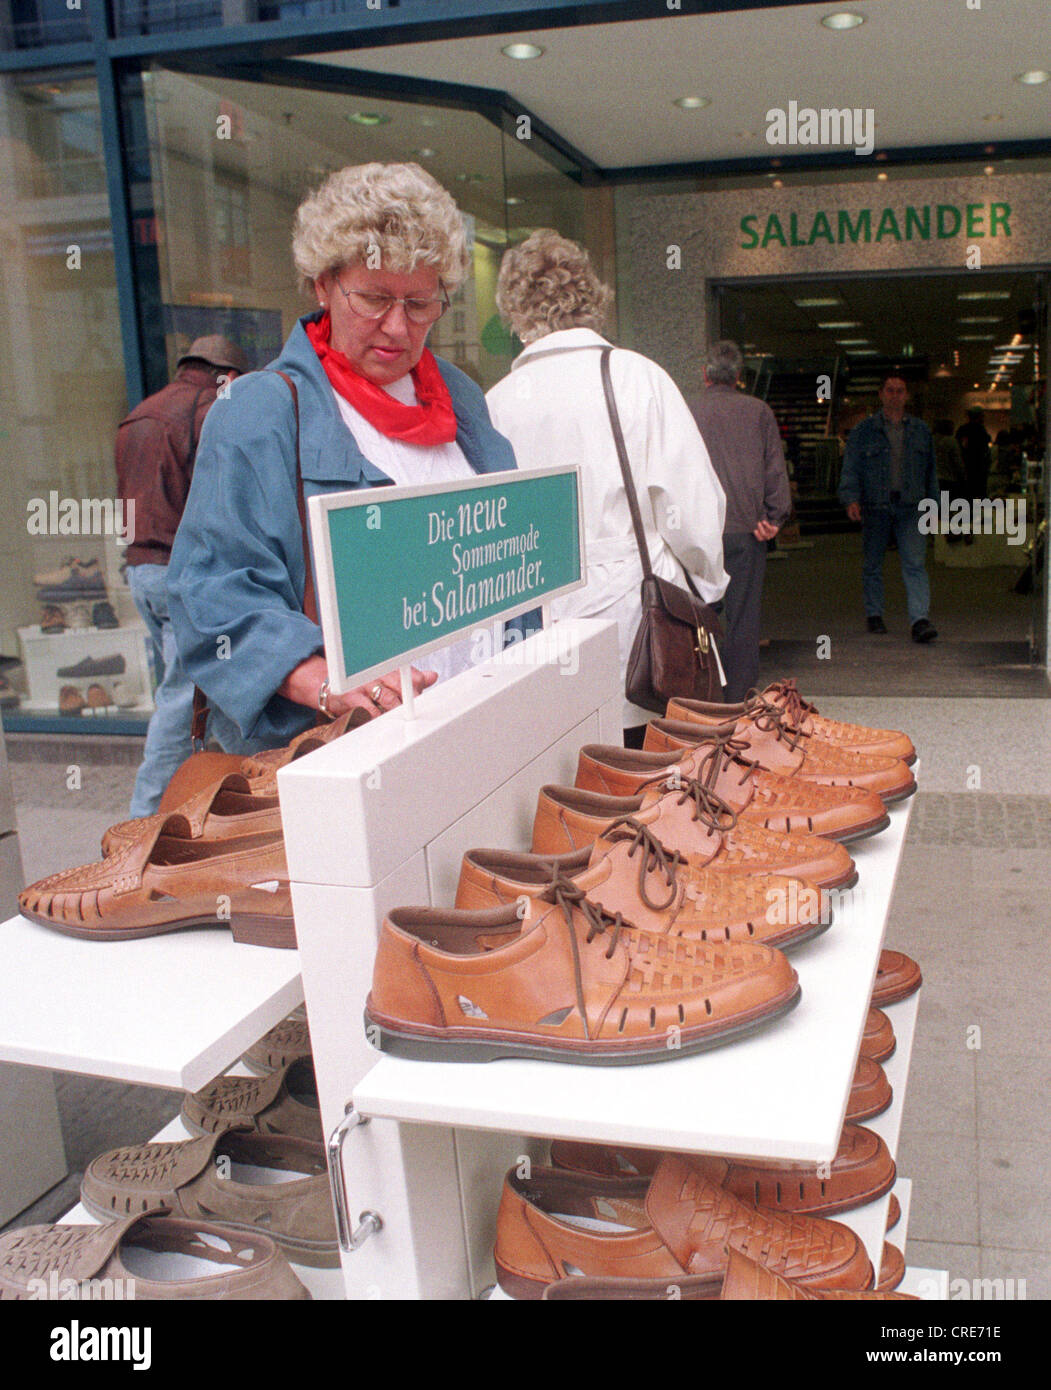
(371, 1221)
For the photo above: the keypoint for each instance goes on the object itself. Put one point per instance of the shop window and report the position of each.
(36, 23)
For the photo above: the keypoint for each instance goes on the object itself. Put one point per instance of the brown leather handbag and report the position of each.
(204, 766)
(673, 655)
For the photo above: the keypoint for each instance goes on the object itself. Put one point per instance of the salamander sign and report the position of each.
(403, 570)
(840, 226)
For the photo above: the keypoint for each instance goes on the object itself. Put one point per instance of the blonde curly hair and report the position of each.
(548, 283)
(398, 208)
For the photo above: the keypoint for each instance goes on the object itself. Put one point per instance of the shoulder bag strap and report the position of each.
(625, 466)
(200, 700)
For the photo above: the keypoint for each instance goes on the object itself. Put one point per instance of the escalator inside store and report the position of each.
(973, 356)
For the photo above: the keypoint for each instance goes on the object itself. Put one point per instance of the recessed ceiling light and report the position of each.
(1036, 78)
(988, 169)
(471, 178)
(976, 337)
(985, 294)
(852, 342)
(863, 352)
(882, 177)
(778, 183)
(368, 118)
(980, 318)
(1013, 347)
(818, 303)
(840, 323)
(522, 50)
(425, 152)
(692, 103)
(842, 19)
(513, 202)
(993, 116)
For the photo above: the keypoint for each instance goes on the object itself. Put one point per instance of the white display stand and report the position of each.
(383, 819)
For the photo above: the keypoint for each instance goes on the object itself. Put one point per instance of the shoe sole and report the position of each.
(318, 1254)
(519, 1287)
(453, 1045)
(247, 929)
(861, 832)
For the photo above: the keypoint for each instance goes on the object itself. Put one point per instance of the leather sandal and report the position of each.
(266, 764)
(225, 810)
(891, 1269)
(71, 1262)
(167, 880)
(804, 716)
(223, 1177)
(286, 1042)
(285, 1102)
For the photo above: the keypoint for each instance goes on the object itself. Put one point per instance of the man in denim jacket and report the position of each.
(888, 469)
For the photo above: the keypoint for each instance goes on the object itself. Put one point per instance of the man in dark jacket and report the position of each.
(155, 450)
(744, 444)
(889, 468)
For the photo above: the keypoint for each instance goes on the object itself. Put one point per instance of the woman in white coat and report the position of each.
(552, 408)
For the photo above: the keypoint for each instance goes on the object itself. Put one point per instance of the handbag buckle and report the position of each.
(702, 642)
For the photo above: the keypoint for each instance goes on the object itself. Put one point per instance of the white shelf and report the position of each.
(779, 1094)
(172, 1010)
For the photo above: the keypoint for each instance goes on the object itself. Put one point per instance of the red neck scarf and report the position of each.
(432, 421)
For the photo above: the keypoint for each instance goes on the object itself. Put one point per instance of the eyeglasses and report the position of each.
(377, 306)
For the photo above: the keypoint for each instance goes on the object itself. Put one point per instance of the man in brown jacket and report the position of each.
(744, 444)
(155, 451)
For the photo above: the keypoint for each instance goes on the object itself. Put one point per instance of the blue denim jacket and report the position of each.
(866, 465)
(237, 569)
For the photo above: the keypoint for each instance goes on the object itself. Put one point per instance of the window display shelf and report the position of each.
(170, 1010)
(779, 1094)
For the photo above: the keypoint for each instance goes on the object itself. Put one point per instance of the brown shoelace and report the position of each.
(567, 895)
(654, 858)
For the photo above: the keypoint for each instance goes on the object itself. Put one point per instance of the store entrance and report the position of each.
(973, 351)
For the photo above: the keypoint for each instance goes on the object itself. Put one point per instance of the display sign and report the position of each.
(403, 570)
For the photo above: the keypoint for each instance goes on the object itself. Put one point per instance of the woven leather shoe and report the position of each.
(266, 763)
(217, 1177)
(569, 983)
(91, 1262)
(763, 736)
(165, 881)
(802, 716)
(892, 1268)
(870, 1093)
(861, 1171)
(677, 1223)
(744, 1279)
(758, 797)
(286, 1042)
(285, 1102)
(897, 977)
(227, 810)
(688, 822)
(628, 871)
(878, 1041)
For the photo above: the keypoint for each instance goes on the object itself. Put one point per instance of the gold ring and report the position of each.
(376, 692)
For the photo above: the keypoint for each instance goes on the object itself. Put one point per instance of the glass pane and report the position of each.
(34, 23)
(63, 393)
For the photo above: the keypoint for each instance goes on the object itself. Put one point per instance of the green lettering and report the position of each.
(864, 224)
(975, 217)
(773, 231)
(922, 224)
(793, 230)
(820, 228)
(750, 230)
(955, 214)
(888, 225)
(998, 215)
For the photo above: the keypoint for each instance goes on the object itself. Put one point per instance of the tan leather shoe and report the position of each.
(861, 1171)
(92, 1262)
(802, 715)
(678, 1223)
(878, 1041)
(871, 1093)
(892, 1268)
(628, 871)
(687, 822)
(246, 1181)
(286, 1042)
(744, 1279)
(893, 1212)
(266, 763)
(569, 983)
(761, 798)
(165, 881)
(285, 1102)
(230, 808)
(897, 977)
(762, 737)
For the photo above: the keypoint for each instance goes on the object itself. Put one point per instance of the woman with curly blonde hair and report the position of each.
(553, 410)
(380, 248)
